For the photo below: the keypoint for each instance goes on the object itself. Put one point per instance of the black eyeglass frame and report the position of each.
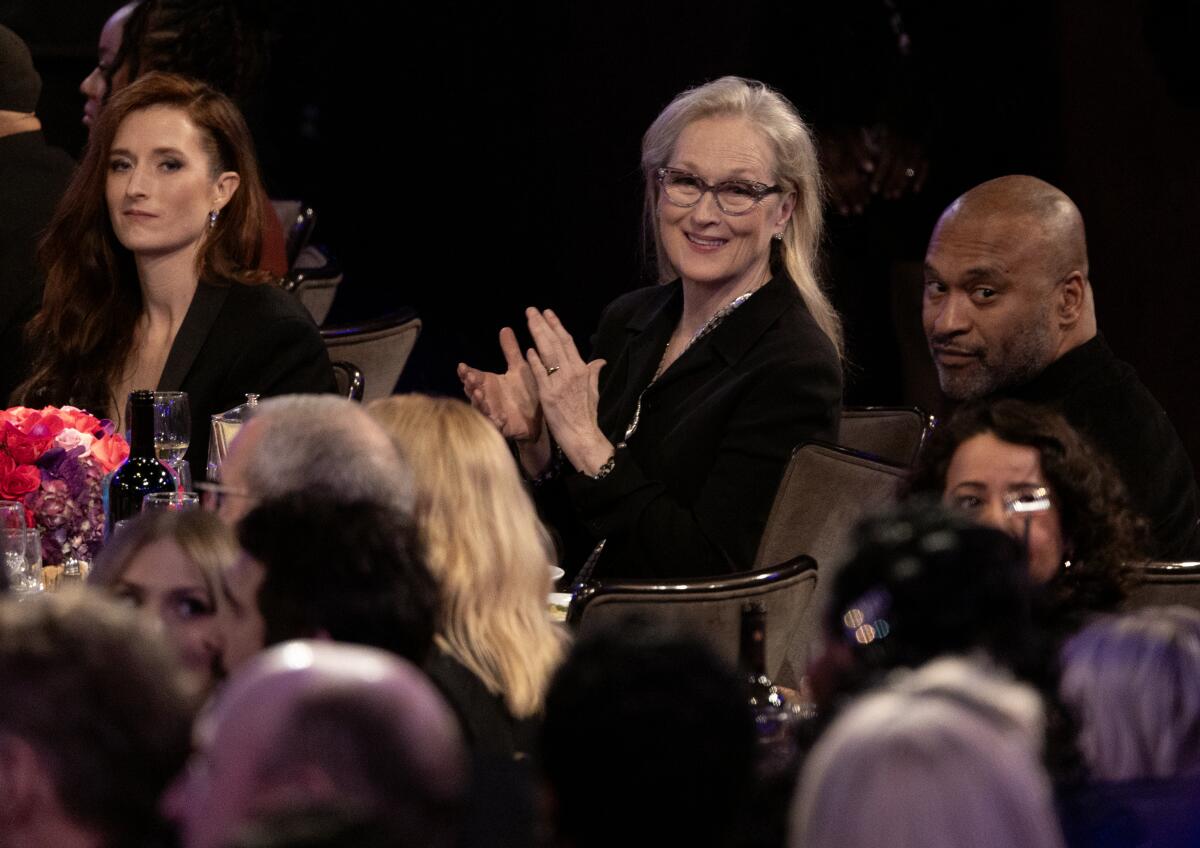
(759, 191)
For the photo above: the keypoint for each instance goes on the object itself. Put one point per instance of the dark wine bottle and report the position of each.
(774, 718)
(142, 473)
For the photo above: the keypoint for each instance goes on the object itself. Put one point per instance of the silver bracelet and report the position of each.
(606, 468)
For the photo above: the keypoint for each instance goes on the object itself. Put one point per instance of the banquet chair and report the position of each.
(314, 278)
(378, 348)
(298, 220)
(894, 434)
(1161, 584)
(349, 379)
(707, 607)
(824, 492)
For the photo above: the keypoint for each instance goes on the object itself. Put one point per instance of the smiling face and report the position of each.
(161, 186)
(165, 584)
(95, 85)
(707, 247)
(983, 472)
(989, 304)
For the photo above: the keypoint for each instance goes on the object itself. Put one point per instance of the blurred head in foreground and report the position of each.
(93, 723)
(312, 443)
(1133, 683)
(650, 724)
(172, 566)
(947, 757)
(319, 723)
(922, 583)
(351, 571)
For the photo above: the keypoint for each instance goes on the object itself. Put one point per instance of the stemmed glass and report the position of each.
(22, 549)
(172, 434)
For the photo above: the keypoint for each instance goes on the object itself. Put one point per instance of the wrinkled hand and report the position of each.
(570, 395)
(509, 400)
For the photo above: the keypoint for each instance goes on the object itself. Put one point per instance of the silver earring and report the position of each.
(212, 219)
(1066, 563)
(778, 237)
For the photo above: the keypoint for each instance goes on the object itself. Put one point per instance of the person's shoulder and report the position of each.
(796, 336)
(251, 300)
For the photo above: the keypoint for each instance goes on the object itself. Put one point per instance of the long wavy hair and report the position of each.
(84, 332)
(484, 544)
(1103, 534)
(796, 169)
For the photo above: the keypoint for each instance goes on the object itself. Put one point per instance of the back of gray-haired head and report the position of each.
(941, 758)
(1131, 682)
(325, 444)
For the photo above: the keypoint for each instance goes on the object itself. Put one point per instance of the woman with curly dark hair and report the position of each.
(1023, 469)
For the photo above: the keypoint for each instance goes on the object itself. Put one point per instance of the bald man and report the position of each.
(1009, 312)
(324, 725)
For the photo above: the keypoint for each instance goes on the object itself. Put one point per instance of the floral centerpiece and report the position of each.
(54, 461)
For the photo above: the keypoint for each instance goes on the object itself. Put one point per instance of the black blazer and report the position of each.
(237, 339)
(690, 493)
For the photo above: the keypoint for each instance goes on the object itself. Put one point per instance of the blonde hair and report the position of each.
(796, 169)
(1131, 681)
(484, 545)
(204, 539)
(947, 757)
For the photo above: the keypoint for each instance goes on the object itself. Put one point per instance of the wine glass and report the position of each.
(12, 515)
(22, 559)
(170, 502)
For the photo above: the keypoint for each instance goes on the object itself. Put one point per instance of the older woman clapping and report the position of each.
(676, 432)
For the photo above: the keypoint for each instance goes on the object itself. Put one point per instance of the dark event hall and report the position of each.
(749, 425)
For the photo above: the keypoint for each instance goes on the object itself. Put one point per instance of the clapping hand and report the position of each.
(569, 389)
(509, 400)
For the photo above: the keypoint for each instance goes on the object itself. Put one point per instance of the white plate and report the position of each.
(556, 573)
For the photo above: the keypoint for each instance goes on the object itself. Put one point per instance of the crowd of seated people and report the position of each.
(354, 640)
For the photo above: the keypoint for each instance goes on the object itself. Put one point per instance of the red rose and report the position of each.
(17, 480)
(110, 451)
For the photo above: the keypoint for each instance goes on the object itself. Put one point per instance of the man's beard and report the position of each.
(997, 369)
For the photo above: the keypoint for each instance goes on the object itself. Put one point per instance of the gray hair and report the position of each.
(946, 757)
(797, 168)
(329, 445)
(1131, 681)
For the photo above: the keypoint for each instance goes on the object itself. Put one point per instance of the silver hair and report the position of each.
(797, 168)
(1131, 682)
(325, 444)
(945, 757)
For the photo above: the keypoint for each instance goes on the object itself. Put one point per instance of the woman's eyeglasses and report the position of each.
(734, 197)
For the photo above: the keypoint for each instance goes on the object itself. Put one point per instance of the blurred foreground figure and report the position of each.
(647, 740)
(320, 724)
(1132, 683)
(946, 757)
(93, 724)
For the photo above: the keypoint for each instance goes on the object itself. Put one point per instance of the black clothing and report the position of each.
(489, 729)
(237, 339)
(1133, 814)
(690, 493)
(33, 176)
(1103, 398)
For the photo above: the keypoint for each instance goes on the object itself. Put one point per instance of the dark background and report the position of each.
(473, 159)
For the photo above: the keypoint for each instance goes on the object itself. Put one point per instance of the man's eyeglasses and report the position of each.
(213, 495)
(734, 197)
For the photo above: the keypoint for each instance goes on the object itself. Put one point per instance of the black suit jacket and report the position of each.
(690, 493)
(237, 339)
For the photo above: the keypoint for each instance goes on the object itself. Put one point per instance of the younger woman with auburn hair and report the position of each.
(491, 558)
(147, 266)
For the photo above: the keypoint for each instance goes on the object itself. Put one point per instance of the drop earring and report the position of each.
(212, 219)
